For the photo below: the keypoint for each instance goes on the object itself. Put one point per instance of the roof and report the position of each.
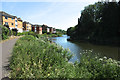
(27, 22)
(6, 14)
(37, 25)
(19, 19)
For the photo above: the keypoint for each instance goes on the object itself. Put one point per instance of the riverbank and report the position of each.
(100, 42)
(35, 57)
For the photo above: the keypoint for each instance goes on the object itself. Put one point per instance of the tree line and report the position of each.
(98, 23)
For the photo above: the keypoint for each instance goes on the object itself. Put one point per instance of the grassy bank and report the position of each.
(34, 34)
(35, 57)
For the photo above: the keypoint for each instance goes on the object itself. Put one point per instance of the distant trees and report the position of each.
(60, 31)
(98, 23)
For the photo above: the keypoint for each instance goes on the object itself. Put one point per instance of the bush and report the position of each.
(38, 58)
(28, 38)
(100, 68)
(5, 32)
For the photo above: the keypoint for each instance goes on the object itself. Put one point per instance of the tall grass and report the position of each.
(36, 57)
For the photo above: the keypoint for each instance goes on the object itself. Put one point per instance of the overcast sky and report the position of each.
(54, 13)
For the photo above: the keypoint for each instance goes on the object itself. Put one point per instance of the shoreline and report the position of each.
(94, 43)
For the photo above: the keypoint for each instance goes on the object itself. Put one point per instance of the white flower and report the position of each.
(105, 57)
(96, 57)
(100, 59)
(110, 59)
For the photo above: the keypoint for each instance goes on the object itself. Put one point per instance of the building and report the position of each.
(19, 25)
(54, 30)
(48, 30)
(45, 29)
(37, 29)
(51, 30)
(27, 26)
(10, 21)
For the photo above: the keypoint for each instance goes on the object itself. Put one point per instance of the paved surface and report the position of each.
(5, 53)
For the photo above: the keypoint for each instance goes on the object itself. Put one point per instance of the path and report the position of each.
(5, 53)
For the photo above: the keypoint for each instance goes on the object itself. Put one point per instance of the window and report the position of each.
(6, 23)
(12, 23)
(16, 26)
(27, 26)
(35, 28)
(12, 18)
(6, 17)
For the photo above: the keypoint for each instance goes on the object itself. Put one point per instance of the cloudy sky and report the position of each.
(60, 14)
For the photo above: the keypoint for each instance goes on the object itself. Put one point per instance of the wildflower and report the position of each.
(48, 74)
(105, 57)
(100, 59)
(34, 64)
(96, 57)
(110, 59)
(55, 69)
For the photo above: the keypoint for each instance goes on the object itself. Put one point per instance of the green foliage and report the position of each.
(28, 38)
(28, 33)
(98, 23)
(5, 32)
(100, 68)
(34, 57)
(38, 58)
(60, 31)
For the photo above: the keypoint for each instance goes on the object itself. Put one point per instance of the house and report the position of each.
(45, 29)
(48, 30)
(54, 30)
(19, 25)
(51, 30)
(27, 26)
(10, 21)
(37, 29)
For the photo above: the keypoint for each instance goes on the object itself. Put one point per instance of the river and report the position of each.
(77, 47)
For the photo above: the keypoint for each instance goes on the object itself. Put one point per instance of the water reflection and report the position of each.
(76, 47)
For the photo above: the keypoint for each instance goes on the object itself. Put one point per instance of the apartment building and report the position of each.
(19, 25)
(27, 26)
(45, 28)
(10, 21)
(54, 30)
(37, 29)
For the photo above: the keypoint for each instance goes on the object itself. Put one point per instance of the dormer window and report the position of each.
(6, 17)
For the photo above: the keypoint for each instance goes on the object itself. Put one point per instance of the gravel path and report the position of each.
(5, 53)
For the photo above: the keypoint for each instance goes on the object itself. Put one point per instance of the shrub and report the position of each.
(28, 38)
(5, 32)
(38, 58)
(20, 34)
(100, 68)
